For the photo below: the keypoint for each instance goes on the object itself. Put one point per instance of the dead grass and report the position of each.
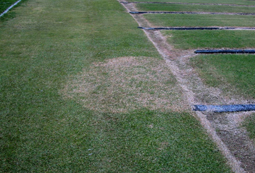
(125, 84)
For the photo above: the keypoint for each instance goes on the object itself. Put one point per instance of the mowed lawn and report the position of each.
(221, 71)
(203, 39)
(53, 49)
(195, 8)
(202, 20)
(233, 74)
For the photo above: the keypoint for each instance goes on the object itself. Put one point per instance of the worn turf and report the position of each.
(232, 73)
(249, 124)
(126, 83)
(227, 78)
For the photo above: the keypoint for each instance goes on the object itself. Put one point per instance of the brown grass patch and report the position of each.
(124, 84)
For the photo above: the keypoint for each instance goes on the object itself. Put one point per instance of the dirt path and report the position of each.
(231, 140)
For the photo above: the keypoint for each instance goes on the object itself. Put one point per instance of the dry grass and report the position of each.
(125, 84)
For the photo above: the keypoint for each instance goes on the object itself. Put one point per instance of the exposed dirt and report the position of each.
(126, 83)
(224, 129)
(229, 128)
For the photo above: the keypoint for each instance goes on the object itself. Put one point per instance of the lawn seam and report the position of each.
(198, 28)
(190, 12)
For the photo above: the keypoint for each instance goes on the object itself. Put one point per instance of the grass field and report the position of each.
(249, 124)
(198, 8)
(233, 74)
(200, 20)
(221, 71)
(81, 45)
(240, 2)
(211, 39)
(205, 39)
(4, 4)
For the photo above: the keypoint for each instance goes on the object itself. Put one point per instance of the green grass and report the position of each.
(211, 39)
(240, 2)
(232, 73)
(202, 39)
(221, 71)
(200, 20)
(199, 8)
(42, 131)
(249, 124)
(4, 4)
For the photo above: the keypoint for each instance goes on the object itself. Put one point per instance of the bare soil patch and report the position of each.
(126, 83)
(229, 128)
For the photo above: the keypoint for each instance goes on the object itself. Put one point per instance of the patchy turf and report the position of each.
(223, 79)
(249, 124)
(125, 84)
(232, 73)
